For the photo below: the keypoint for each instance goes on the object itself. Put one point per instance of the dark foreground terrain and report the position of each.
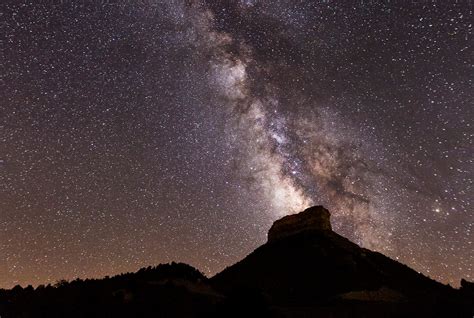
(304, 270)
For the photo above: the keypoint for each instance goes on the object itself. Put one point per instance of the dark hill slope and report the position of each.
(307, 265)
(167, 290)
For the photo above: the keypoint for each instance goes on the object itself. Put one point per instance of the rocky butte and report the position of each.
(314, 218)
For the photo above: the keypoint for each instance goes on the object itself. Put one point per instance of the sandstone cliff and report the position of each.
(314, 218)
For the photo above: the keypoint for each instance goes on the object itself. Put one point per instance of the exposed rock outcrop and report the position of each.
(314, 218)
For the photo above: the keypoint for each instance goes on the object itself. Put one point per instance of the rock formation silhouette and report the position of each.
(304, 270)
(315, 218)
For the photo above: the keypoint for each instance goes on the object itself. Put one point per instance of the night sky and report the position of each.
(141, 132)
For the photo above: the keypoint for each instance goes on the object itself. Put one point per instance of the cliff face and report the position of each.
(314, 218)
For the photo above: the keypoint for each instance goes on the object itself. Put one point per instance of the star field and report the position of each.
(133, 134)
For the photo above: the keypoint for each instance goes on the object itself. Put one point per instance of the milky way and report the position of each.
(139, 133)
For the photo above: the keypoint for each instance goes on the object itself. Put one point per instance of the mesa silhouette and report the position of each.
(304, 270)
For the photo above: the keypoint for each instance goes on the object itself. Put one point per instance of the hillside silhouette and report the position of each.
(304, 270)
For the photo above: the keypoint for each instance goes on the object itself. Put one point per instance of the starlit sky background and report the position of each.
(142, 132)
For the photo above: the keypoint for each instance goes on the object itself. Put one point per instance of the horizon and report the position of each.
(61, 282)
